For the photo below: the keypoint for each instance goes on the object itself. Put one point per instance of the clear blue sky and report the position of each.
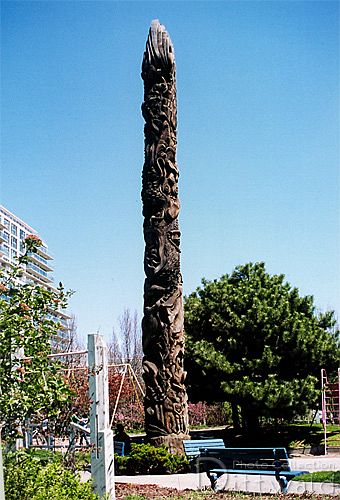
(258, 141)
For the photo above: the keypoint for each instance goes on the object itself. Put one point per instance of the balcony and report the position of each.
(38, 272)
(37, 259)
(3, 250)
(58, 318)
(43, 252)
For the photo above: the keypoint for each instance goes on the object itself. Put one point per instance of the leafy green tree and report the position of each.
(30, 384)
(253, 341)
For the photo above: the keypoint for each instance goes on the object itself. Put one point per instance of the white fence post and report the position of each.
(2, 485)
(102, 465)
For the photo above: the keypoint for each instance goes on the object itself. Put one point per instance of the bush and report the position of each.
(197, 414)
(29, 478)
(148, 459)
(202, 414)
(82, 459)
(131, 415)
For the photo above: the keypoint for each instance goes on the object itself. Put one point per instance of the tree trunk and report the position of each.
(235, 416)
(250, 419)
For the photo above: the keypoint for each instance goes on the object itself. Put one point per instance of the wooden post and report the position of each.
(102, 465)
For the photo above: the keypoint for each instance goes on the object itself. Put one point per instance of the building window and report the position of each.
(14, 242)
(5, 236)
(22, 234)
(14, 254)
(6, 223)
(22, 247)
(13, 229)
(6, 249)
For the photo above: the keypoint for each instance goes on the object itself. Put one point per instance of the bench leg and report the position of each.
(213, 480)
(283, 482)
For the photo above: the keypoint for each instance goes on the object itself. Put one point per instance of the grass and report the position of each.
(43, 456)
(325, 476)
(300, 435)
(289, 436)
(81, 458)
(333, 435)
(305, 435)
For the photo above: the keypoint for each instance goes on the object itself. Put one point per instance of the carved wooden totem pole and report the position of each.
(166, 417)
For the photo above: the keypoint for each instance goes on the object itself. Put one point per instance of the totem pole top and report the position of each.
(159, 51)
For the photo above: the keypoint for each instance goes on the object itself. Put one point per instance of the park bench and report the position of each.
(192, 447)
(118, 447)
(261, 461)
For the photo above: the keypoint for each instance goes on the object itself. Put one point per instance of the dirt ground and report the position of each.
(145, 491)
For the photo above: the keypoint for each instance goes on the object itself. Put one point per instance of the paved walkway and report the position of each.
(254, 484)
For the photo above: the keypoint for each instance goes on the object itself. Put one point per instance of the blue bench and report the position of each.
(192, 447)
(118, 448)
(261, 461)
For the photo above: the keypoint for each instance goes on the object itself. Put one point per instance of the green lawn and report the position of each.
(304, 437)
(289, 436)
(320, 477)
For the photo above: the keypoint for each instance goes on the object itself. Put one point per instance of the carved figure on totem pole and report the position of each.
(166, 416)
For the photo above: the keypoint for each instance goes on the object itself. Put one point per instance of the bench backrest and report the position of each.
(192, 446)
(245, 458)
(118, 447)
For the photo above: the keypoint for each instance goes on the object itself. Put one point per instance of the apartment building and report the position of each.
(38, 270)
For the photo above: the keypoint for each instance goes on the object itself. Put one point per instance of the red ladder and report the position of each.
(330, 402)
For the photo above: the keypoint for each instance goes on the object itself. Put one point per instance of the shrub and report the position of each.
(148, 459)
(131, 415)
(28, 478)
(203, 414)
(197, 414)
(82, 459)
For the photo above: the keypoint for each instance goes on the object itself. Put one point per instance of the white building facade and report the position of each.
(13, 232)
